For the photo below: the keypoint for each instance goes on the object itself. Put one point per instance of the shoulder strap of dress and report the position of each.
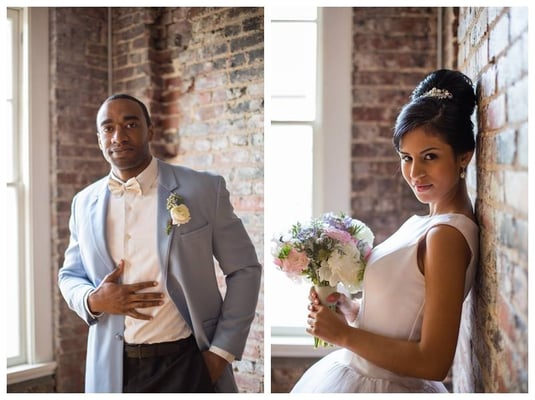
(463, 224)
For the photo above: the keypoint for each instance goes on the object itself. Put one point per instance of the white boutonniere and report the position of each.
(178, 211)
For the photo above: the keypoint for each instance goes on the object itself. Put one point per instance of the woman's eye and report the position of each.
(405, 158)
(430, 156)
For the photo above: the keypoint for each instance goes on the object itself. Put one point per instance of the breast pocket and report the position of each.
(196, 233)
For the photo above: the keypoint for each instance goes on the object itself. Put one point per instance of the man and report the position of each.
(139, 268)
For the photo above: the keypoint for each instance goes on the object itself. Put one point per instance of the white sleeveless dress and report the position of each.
(392, 305)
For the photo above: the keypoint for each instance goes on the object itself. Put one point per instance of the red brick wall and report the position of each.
(493, 348)
(394, 48)
(200, 71)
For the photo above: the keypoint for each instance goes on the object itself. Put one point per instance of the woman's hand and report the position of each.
(346, 307)
(329, 325)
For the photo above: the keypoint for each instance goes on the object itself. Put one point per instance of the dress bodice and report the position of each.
(394, 287)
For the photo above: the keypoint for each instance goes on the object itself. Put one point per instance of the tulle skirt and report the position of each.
(345, 372)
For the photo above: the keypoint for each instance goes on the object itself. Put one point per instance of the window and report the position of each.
(14, 237)
(308, 148)
(26, 173)
(289, 150)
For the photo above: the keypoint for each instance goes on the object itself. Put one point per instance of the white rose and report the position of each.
(180, 214)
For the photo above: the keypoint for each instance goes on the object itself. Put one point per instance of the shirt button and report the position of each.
(127, 236)
(118, 336)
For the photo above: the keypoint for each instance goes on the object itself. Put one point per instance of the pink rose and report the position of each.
(341, 236)
(295, 263)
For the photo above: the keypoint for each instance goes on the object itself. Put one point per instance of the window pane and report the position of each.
(9, 66)
(293, 71)
(11, 263)
(288, 199)
(10, 79)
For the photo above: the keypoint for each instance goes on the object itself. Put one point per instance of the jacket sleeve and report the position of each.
(237, 258)
(73, 281)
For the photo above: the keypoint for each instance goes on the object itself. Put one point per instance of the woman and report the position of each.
(402, 336)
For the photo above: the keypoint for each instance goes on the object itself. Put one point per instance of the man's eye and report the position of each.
(131, 125)
(107, 129)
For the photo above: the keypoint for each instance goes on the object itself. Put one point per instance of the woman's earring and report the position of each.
(463, 172)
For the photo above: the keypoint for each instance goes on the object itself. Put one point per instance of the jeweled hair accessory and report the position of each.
(438, 93)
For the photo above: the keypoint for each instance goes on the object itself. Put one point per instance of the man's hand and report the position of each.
(215, 364)
(115, 298)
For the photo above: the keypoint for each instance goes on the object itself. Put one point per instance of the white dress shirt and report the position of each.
(131, 236)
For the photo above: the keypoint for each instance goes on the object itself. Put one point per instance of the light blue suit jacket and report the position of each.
(187, 260)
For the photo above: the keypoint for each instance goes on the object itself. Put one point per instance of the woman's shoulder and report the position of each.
(462, 223)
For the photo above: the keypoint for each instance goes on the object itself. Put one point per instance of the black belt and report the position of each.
(157, 349)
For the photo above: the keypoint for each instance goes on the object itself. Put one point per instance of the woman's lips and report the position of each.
(422, 188)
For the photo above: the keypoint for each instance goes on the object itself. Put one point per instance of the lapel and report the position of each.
(167, 184)
(97, 221)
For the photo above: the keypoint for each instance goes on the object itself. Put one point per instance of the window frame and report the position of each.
(37, 266)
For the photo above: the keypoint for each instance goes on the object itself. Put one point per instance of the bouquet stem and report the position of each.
(324, 292)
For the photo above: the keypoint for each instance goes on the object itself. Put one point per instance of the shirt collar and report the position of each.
(146, 177)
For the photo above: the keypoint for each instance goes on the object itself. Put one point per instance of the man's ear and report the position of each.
(99, 142)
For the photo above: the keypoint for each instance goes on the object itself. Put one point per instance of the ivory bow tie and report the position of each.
(117, 188)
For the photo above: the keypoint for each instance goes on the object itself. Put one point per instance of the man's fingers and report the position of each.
(137, 315)
(145, 303)
(134, 287)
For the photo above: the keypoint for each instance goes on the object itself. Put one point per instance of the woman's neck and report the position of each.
(459, 203)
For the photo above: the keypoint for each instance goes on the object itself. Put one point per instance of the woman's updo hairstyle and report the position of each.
(442, 104)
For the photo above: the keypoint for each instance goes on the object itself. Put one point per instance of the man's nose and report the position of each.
(119, 134)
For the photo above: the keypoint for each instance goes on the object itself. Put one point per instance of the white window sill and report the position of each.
(26, 372)
(297, 347)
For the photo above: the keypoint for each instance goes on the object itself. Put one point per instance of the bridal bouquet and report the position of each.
(328, 251)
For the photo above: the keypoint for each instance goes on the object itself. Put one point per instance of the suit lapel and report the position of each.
(168, 184)
(97, 221)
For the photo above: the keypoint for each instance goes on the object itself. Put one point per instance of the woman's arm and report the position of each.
(446, 257)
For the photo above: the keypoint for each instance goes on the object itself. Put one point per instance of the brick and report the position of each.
(499, 36)
(245, 75)
(517, 105)
(496, 113)
(519, 21)
(253, 24)
(511, 68)
(505, 147)
(244, 42)
(488, 83)
(522, 147)
(516, 190)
